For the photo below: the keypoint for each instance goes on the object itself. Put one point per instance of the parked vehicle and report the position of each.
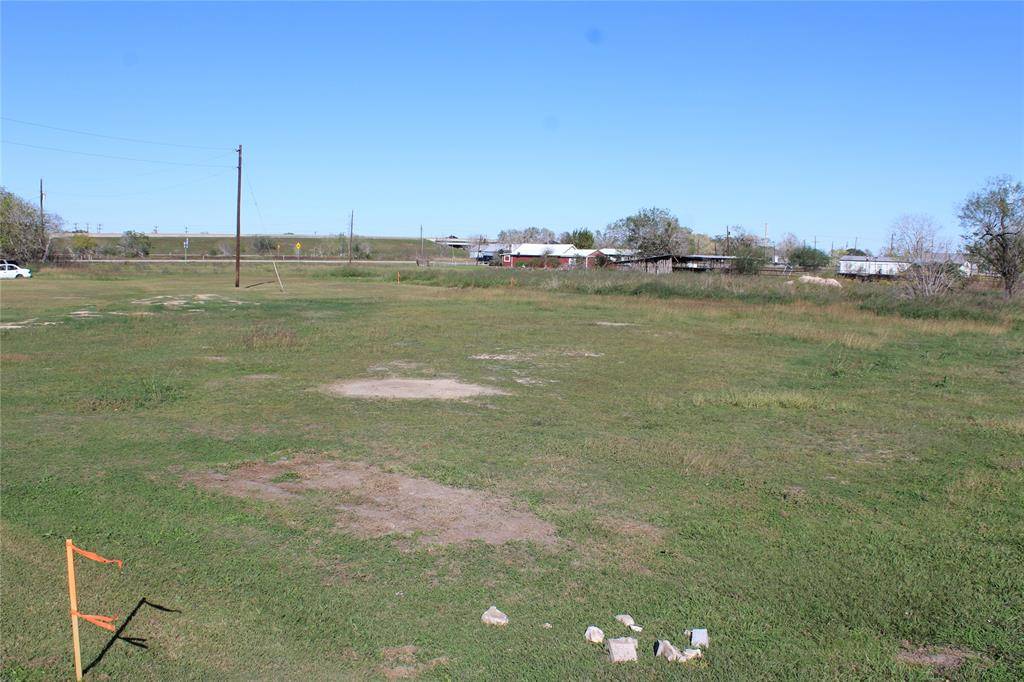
(9, 270)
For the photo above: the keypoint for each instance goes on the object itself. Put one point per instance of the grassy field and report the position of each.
(831, 482)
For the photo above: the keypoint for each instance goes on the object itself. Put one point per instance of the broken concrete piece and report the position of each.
(493, 616)
(546, 626)
(665, 649)
(594, 634)
(625, 619)
(820, 281)
(698, 638)
(621, 649)
(636, 628)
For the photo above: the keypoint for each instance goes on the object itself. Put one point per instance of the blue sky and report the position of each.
(827, 120)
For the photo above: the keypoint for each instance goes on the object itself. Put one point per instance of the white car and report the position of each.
(10, 270)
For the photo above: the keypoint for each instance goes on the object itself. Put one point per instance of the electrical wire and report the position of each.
(112, 137)
(145, 191)
(255, 203)
(110, 156)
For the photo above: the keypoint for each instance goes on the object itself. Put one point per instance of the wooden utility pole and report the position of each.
(238, 221)
(726, 240)
(351, 223)
(421, 241)
(42, 222)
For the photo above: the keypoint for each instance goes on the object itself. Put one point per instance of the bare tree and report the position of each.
(916, 239)
(531, 235)
(22, 236)
(994, 220)
(787, 245)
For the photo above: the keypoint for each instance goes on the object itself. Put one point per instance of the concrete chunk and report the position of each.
(664, 649)
(698, 638)
(493, 616)
(594, 634)
(621, 649)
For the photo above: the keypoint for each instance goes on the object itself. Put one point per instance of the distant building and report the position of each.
(870, 266)
(540, 255)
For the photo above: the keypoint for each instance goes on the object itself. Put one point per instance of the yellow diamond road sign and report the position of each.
(298, 245)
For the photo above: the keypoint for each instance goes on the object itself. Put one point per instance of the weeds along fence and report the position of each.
(882, 298)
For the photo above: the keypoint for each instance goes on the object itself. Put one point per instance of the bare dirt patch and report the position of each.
(370, 502)
(260, 377)
(941, 659)
(395, 365)
(409, 389)
(509, 357)
(605, 323)
(406, 655)
(581, 354)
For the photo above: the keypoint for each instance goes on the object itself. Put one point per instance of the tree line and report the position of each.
(992, 220)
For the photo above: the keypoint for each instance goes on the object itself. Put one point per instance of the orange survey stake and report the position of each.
(105, 622)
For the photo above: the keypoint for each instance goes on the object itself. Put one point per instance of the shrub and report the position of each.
(808, 257)
(134, 244)
(264, 245)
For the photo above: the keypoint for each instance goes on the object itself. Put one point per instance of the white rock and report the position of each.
(665, 649)
(625, 619)
(621, 649)
(698, 638)
(820, 281)
(636, 628)
(546, 626)
(594, 634)
(493, 616)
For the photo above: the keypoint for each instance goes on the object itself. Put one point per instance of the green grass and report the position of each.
(811, 480)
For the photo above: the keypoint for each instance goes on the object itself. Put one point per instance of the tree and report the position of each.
(22, 236)
(916, 239)
(82, 244)
(856, 252)
(134, 243)
(581, 238)
(749, 258)
(787, 245)
(994, 220)
(808, 257)
(529, 235)
(650, 231)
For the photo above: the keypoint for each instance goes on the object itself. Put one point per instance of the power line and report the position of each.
(112, 137)
(145, 191)
(255, 203)
(109, 156)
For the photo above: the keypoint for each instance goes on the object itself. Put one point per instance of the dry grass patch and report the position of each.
(941, 659)
(759, 400)
(372, 503)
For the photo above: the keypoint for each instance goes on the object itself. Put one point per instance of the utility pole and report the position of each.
(726, 240)
(42, 220)
(766, 241)
(238, 221)
(351, 223)
(815, 242)
(421, 242)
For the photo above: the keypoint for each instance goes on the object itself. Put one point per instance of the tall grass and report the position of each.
(875, 297)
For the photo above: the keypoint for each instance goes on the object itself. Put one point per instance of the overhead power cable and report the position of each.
(219, 173)
(110, 156)
(113, 137)
(255, 203)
